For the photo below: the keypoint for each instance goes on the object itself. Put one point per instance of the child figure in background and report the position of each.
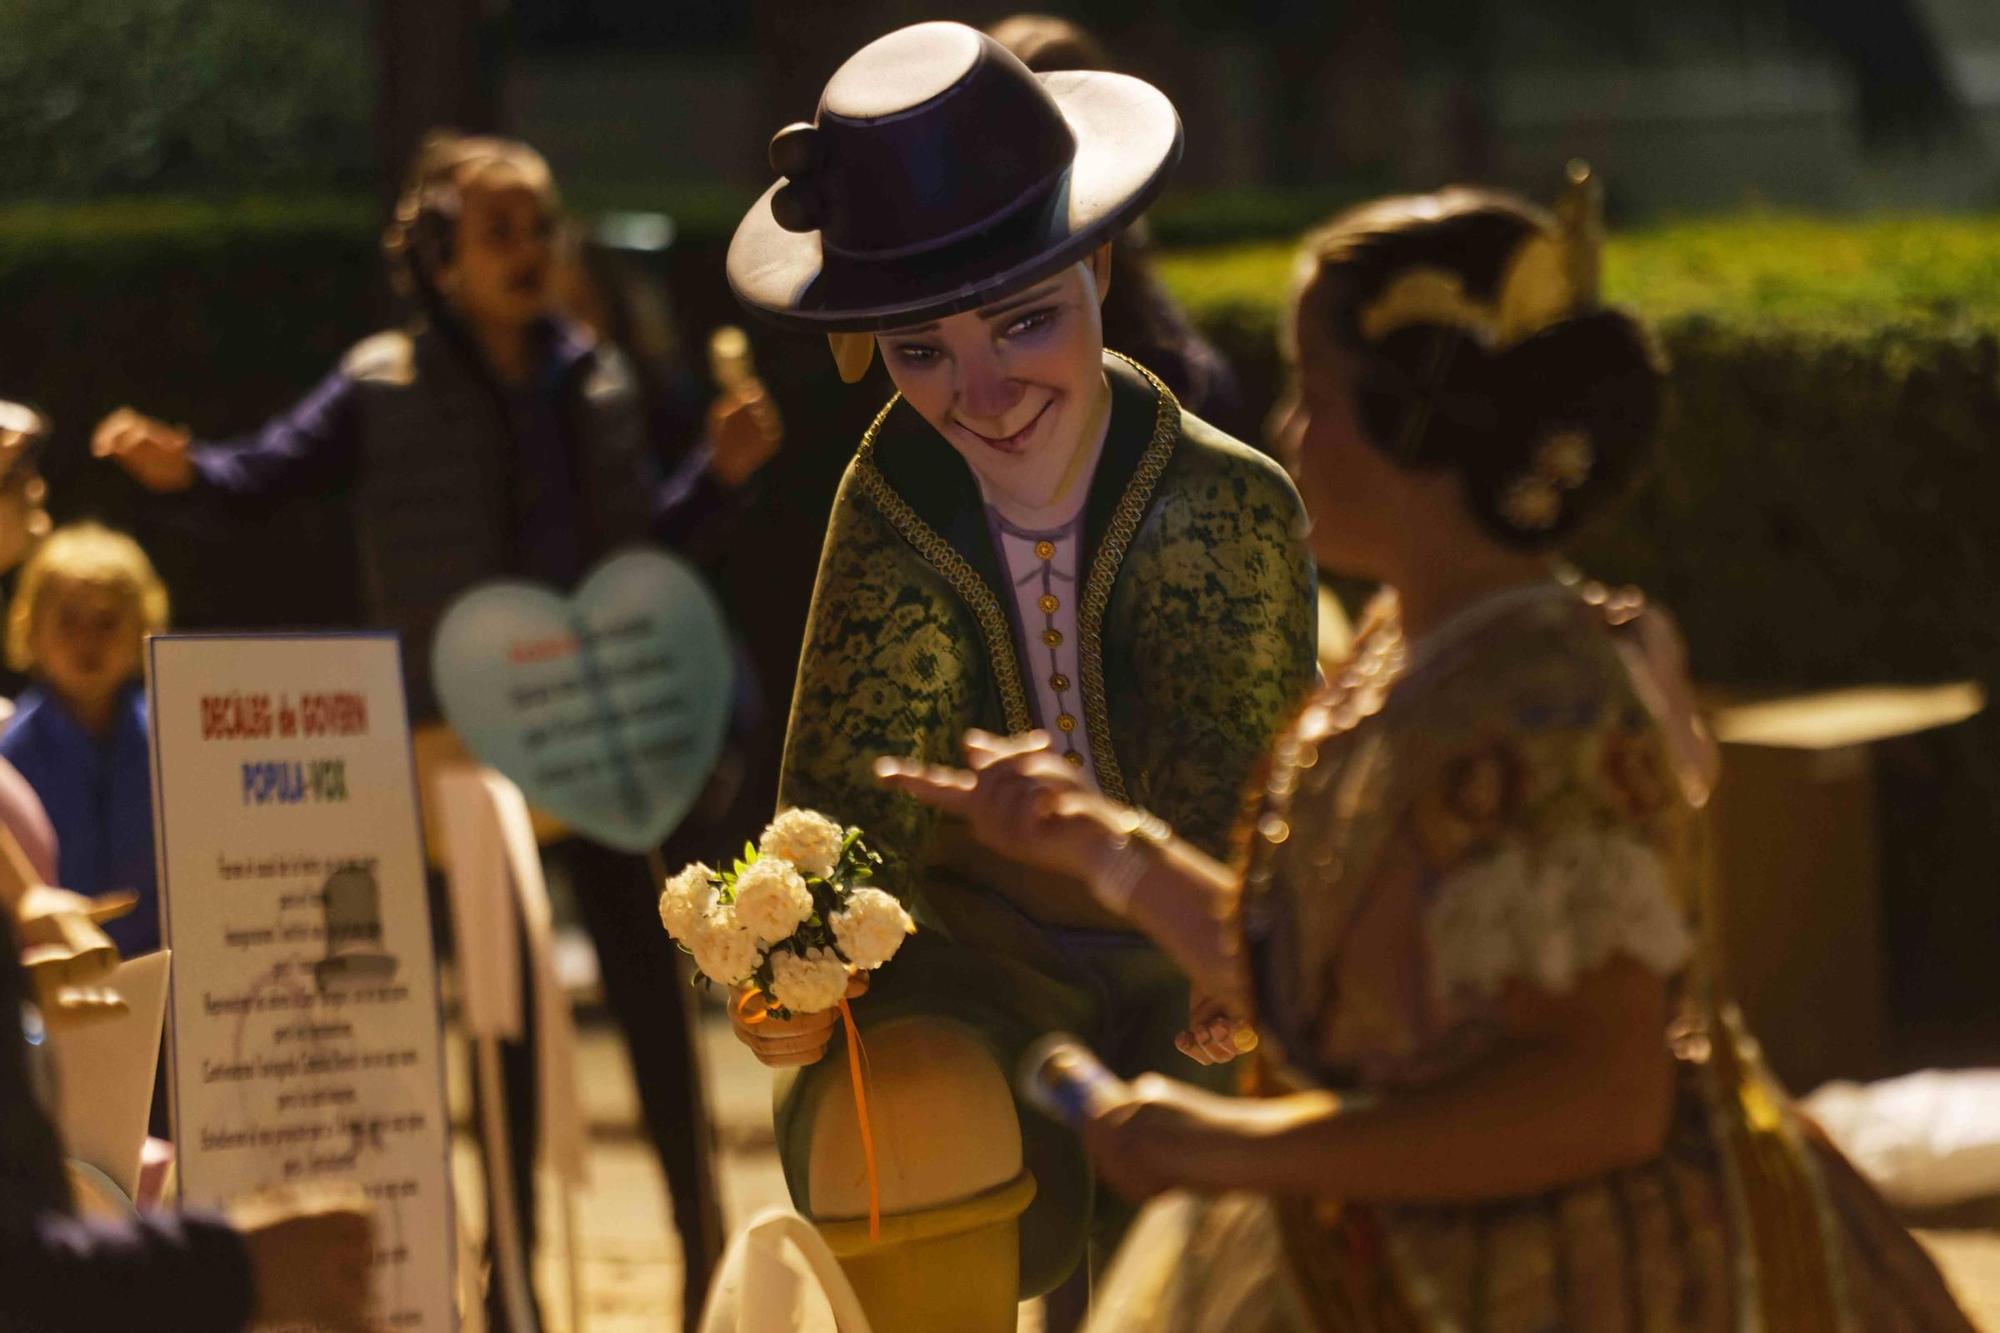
(85, 603)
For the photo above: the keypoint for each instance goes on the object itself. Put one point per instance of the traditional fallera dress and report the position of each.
(1162, 640)
(1503, 801)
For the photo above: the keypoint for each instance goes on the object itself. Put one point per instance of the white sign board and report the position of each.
(305, 1033)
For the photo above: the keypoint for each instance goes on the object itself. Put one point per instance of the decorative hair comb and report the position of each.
(1548, 278)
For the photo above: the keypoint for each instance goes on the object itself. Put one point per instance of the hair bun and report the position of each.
(1428, 395)
(1578, 405)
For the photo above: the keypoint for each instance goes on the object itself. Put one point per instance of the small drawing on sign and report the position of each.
(353, 932)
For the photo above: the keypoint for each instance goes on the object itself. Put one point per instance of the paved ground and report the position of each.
(631, 1263)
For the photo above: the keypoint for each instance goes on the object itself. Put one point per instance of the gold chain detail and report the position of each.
(964, 579)
(1118, 537)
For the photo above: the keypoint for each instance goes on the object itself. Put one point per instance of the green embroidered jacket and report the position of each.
(1195, 636)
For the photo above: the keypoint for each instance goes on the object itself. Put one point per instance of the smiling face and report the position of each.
(1017, 387)
(502, 255)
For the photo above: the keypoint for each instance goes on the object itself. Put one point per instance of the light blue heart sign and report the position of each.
(607, 708)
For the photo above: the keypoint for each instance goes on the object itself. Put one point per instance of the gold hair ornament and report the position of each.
(1549, 277)
(1533, 500)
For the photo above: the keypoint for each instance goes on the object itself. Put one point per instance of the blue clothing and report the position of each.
(99, 797)
(314, 450)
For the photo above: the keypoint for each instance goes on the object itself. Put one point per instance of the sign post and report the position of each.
(305, 1035)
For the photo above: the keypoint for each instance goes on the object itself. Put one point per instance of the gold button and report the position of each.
(1046, 550)
(1074, 759)
(1064, 722)
(1274, 829)
(1052, 637)
(1059, 682)
(1049, 603)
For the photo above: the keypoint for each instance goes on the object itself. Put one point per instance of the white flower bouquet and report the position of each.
(795, 917)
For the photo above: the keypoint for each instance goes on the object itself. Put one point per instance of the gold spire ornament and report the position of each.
(1550, 276)
(1580, 217)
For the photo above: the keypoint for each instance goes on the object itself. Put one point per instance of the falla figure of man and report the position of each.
(1032, 537)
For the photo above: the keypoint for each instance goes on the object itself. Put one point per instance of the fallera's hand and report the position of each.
(1213, 1036)
(1157, 1137)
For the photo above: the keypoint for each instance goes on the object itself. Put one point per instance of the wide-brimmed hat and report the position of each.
(940, 174)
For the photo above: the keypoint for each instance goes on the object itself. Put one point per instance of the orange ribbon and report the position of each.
(855, 1055)
(753, 1008)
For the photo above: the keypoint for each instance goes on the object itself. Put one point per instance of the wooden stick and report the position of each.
(509, 1259)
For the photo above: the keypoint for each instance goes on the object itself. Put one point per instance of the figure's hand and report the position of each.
(1162, 1135)
(44, 901)
(1020, 799)
(65, 954)
(59, 935)
(1212, 1036)
(745, 429)
(154, 453)
(785, 1042)
(309, 1258)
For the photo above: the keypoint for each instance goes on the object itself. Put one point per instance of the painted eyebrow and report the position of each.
(1025, 299)
(990, 312)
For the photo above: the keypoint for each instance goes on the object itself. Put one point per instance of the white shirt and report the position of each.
(1042, 569)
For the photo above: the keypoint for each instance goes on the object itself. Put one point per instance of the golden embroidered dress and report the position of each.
(1194, 627)
(1498, 803)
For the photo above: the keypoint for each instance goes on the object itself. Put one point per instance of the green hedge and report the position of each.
(142, 95)
(1817, 512)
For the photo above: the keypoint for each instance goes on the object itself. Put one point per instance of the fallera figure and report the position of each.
(1503, 1093)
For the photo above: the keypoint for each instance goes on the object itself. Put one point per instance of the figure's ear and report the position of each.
(1100, 269)
(852, 353)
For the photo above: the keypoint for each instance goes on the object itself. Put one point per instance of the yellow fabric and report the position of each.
(1002, 1204)
(953, 1267)
(1782, 1199)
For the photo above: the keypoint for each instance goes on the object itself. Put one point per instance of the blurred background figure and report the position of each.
(714, 469)
(84, 604)
(24, 516)
(491, 436)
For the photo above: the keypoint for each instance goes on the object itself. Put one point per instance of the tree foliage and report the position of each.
(182, 95)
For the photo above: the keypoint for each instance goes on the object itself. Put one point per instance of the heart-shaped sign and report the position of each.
(607, 708)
